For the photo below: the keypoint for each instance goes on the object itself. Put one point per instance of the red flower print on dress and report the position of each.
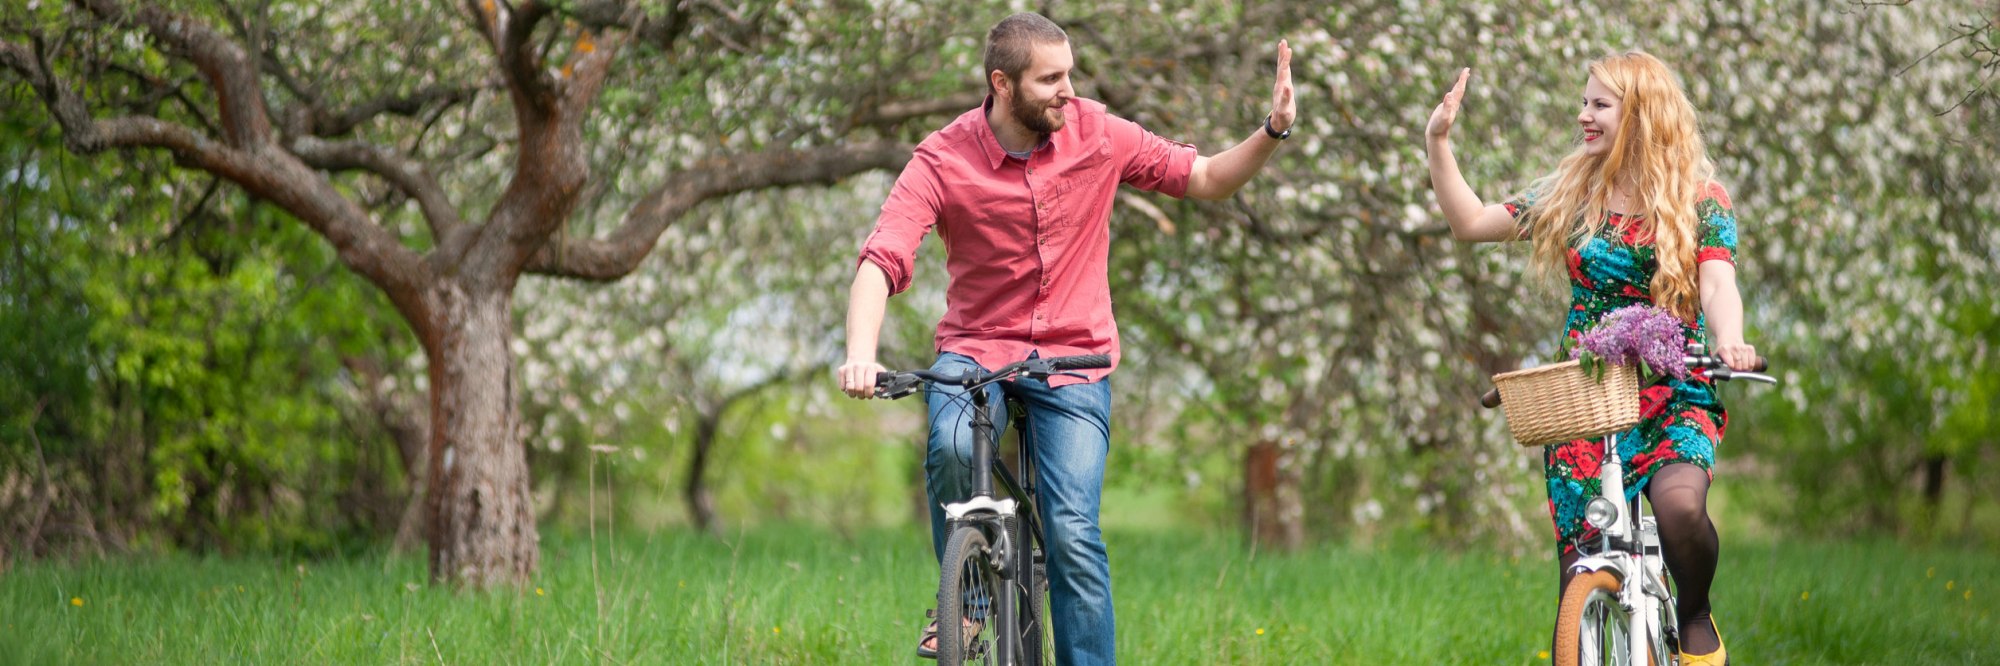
(1708, 427)
(1719, 194)
(1634, 231)
(1665, 451)
(1653, 401)
(1578, 455)
(1576, 270)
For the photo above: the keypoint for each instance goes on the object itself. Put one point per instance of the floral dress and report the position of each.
(1681, 421)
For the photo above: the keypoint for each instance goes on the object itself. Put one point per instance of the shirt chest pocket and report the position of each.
(1071, 196)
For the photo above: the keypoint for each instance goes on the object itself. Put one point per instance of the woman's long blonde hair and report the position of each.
(1658, 153)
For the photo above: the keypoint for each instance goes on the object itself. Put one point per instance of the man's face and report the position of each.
(1038, 95)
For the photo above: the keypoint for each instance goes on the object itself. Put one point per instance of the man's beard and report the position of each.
(1033, 115)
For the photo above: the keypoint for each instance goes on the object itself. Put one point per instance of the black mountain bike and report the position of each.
(992, 580)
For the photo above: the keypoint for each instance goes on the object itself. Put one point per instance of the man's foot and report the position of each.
(927, 642)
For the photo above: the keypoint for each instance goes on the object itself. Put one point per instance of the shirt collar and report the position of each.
(990, 142)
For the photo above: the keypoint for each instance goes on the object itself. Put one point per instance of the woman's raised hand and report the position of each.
(1446, 112)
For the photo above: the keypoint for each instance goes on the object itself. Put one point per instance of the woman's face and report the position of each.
(1599, 117)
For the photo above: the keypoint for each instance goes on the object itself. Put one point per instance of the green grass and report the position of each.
(780, 595)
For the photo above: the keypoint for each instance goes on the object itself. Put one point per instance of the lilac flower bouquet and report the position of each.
(1635, 334)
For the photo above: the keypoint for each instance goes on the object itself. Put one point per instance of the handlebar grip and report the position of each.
(1491, 399)
(893, 385)
(1084, 362)
(1761, 365)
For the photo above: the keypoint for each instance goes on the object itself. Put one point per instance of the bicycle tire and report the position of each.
(968, 588)
(1591, 628)
(1033, 586)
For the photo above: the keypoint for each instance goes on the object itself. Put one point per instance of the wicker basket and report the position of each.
(1560, 402)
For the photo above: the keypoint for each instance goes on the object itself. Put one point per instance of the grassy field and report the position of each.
(779, 595)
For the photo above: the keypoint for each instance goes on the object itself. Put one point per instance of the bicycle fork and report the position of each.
(1629, 548)
(998, 518)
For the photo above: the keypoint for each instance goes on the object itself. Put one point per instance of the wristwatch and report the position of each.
(1275, 134)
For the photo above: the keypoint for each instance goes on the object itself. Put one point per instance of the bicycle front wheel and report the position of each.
(1031, 583)
(968, 589)
(1592, 628)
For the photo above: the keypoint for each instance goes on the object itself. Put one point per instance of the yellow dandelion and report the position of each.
(1968, 594)
(76, 601)
(1260, 631)
(1543, 655)
(239, 588)
(774, 631)
(538, 591)
(1950, 584)
(1805, 595)
(1930, 573)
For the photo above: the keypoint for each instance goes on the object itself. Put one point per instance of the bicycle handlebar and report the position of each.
(893, 385)
(1084, 362)
(1718, 370)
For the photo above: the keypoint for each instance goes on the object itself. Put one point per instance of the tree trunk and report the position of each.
(482, 522)
(701, 502)
(1934, 474)
(1272, 509)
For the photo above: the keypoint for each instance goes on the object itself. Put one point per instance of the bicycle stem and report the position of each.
(982, 445)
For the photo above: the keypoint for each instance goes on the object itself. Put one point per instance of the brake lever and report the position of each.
(1725, 374)
(899, 387)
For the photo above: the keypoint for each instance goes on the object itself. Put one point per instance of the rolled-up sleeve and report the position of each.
(907, 215)
(1151, 163)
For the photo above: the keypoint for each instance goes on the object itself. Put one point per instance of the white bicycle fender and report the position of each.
(1598, 563)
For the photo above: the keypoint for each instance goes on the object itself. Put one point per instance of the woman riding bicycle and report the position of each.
(1631, 216)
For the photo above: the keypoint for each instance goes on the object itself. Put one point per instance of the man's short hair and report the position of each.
(1010, 44)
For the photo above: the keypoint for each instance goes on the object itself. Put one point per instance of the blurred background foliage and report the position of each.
(185, 368)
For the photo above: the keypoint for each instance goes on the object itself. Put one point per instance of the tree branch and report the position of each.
(615, 256)
(332, 123)
(245, 157)
(891, 113)
(230, 71)
(406, 174)
(522, 63)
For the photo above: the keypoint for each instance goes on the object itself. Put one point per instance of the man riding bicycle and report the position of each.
(1020, 190)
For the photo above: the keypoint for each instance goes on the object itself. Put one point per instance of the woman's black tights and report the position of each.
(1679, 497)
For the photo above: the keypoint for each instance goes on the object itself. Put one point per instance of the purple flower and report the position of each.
(1638, 333)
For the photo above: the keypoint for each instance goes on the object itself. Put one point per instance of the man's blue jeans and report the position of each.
(1070, 427)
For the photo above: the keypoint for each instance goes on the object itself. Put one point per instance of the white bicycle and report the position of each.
(1618, 608)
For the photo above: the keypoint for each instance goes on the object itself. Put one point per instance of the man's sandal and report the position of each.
(927, 640)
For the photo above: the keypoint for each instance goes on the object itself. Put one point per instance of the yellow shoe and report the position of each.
(1720, 657)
